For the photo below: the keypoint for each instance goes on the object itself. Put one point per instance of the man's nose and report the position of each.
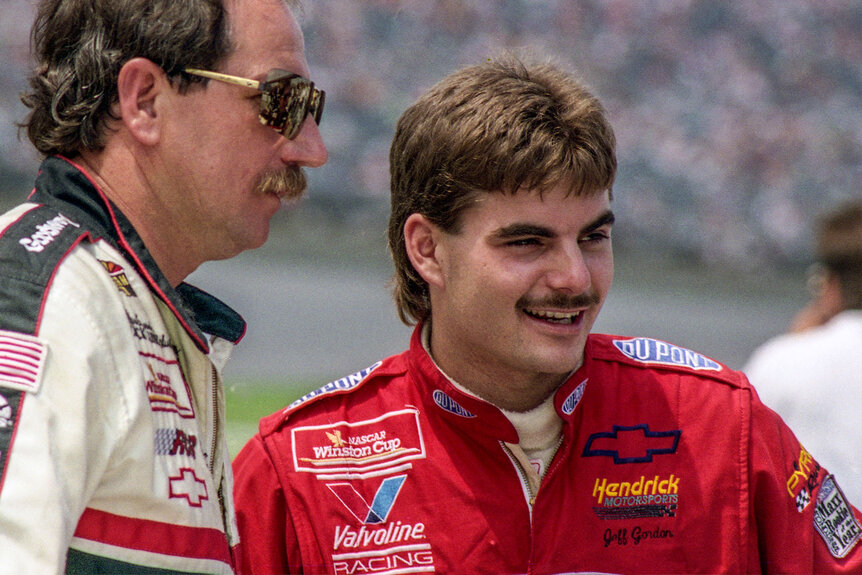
(569, 271)
(307, 148)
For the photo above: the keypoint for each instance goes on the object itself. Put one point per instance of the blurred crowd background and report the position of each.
(738, 121)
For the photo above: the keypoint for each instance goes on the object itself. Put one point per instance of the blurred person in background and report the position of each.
(112, 450)
(812, 376)
(508, 438)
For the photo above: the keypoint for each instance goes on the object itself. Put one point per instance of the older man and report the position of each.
(172, 132)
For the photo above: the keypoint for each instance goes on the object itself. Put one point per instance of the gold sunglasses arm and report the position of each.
(224, 78)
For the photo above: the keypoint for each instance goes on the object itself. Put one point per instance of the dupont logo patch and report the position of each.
(653, 351)
(22, 358)
(446, 403)
(342, 384)
(574, 398)
(357, 450)
(834, 520)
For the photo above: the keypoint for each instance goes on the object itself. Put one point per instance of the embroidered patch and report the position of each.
(653, 351)
(380, 506)
(834, 520)
(446, 403)
(22, 358)
(647, 497)
(187, 485)
(118, 274)
(175, 442)
(10, 407)
(574, 398)
(167, 388)
(803, 481)
(360, 449)
(632, 444)
(342, 384)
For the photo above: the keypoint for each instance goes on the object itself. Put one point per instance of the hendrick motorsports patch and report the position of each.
(834, 520)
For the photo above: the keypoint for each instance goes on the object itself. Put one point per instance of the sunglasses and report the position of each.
(286, 99)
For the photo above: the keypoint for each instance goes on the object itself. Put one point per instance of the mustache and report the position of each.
(560, 301)
(289, 184)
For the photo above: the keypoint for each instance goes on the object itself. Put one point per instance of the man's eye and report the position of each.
(596, 237)
(523, 242)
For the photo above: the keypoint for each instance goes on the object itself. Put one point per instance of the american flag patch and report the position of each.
(22, 358)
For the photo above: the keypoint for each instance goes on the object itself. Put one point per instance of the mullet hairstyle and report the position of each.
(80, 45)
(497, 127)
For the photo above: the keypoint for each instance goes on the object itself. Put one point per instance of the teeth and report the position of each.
(557, 316)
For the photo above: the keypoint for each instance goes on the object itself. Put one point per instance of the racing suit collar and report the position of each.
(68, 188)
(476, 415)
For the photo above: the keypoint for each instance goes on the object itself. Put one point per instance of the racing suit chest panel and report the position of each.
(652, 469)
(165, 395)
(624, 491)
(106, 444)
(669, 464)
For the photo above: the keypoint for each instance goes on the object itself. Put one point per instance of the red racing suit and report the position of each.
(668, 463)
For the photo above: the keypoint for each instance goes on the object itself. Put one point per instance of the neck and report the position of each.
(125, 184)
(510, 391)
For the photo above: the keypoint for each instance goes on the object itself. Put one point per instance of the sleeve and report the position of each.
(60, 429)
(265, 531)
(803, 521)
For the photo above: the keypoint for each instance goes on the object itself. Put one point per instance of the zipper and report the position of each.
(214, 419)
(525, 482)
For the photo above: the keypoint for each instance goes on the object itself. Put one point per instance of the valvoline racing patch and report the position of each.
(655, 352)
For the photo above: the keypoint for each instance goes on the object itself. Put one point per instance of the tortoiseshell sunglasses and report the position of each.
(286, 98)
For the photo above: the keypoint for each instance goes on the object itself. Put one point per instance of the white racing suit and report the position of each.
(112, 449)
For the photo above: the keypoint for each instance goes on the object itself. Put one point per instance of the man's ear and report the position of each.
(422, 241)
(140, 84)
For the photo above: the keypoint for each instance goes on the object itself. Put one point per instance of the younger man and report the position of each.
(507, 439)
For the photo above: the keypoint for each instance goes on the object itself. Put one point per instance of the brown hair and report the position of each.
(500, 126)
(80, 45)
(839, 249)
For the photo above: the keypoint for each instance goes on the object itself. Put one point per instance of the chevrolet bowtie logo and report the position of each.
(631, 444)
(188, 486)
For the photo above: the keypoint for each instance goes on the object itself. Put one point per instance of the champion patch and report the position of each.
(22, 358)
(653, 351)
(834, 520)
